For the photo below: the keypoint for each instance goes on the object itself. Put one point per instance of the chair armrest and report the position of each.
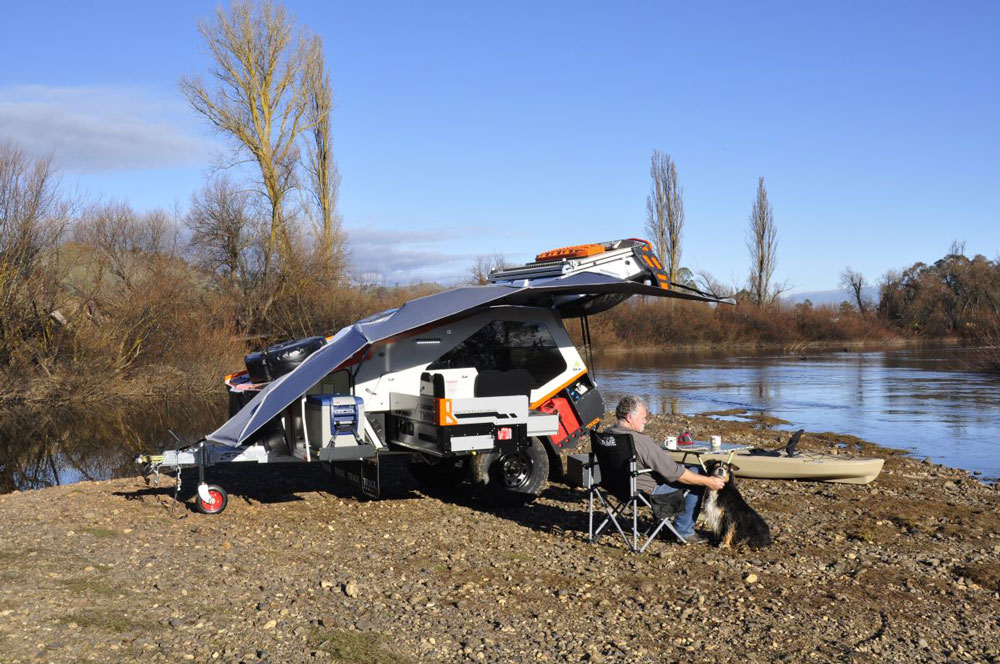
(644, 471)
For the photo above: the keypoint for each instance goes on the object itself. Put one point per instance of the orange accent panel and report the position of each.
(593, 422)
(446, 418)
(576, 251)
(656, 261)
(538, 402)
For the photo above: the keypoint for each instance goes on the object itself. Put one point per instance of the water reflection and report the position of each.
(45, 447)
(916, 399)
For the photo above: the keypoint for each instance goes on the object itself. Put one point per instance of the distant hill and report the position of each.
(831, 297)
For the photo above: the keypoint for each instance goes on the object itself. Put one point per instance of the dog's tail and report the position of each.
(760, 538)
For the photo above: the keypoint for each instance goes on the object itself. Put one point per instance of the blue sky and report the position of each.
(469, 128)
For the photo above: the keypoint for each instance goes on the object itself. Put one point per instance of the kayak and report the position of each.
(778, 465)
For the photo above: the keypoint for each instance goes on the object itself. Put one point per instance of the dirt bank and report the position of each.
(904, 569)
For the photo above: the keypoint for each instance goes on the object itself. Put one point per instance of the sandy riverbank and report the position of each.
(904, 569)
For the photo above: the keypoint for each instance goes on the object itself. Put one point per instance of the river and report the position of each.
(915, 399)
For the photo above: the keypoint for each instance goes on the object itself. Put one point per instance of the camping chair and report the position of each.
(613, 456)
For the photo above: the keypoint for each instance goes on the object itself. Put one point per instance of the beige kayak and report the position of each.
(815, 466)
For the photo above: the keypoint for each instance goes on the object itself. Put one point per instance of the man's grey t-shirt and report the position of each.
(651, 455)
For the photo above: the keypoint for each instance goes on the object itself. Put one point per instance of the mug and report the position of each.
(671, 442)
(716, 443)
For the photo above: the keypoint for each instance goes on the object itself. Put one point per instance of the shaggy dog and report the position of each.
(728, 516)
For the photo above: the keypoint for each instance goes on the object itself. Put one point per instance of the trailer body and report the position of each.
(482, 385)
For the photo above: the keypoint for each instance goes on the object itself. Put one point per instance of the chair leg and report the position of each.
(669, 526)
(613, 512)
(590, 517)
(653, 531)
(635, 525)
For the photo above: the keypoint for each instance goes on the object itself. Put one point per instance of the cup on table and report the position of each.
(671, 442)
(716, 443)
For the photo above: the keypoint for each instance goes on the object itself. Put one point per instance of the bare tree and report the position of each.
(324, 177)
(227, 239)
(708, 283)
(854, 283)
(125, 243)
(258, 99)
(479, 273)
(665, 212)
(32, 220)
(762, 241)
(224, 230)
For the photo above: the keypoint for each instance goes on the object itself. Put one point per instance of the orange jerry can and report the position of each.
(568, 422)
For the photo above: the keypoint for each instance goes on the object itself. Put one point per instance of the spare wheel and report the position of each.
(282, 358)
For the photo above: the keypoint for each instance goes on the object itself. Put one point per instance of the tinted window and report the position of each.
(505, 345)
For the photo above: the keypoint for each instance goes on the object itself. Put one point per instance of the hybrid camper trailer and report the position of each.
(480, 383)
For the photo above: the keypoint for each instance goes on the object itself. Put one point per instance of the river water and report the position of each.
(915, 399)
(921, 400)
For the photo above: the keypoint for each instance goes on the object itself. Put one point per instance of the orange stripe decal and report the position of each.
(539, 402)
(445, 418)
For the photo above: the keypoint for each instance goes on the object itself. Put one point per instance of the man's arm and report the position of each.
(710, 481)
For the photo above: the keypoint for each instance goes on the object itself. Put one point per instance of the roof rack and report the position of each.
(626, 259)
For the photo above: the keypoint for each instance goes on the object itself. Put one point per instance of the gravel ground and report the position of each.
(297, 570)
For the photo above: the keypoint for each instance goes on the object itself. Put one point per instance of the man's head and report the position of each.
(631, 412)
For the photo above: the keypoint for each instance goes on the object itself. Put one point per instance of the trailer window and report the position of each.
(505, 345)
(338, 382)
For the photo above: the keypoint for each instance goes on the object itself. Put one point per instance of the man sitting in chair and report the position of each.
(668, 475)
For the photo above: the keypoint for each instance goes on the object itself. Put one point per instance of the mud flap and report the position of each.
(361, 475)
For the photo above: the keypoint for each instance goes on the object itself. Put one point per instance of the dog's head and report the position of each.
(721, 469)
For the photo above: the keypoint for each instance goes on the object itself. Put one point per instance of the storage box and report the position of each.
(576, 470)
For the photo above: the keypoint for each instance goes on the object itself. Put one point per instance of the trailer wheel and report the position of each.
(218, 500)
(439, 473)
(514, 478)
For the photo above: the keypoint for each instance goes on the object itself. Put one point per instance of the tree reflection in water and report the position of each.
(46, 447)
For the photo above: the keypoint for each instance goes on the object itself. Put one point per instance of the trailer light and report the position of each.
(505, 433)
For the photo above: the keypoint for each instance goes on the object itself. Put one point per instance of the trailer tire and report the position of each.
(219, 500)
(439, 473)
(513, 478)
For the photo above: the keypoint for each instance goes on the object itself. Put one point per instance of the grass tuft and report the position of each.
(355, 647)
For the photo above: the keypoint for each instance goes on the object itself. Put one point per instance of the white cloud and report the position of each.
(390, 256)
(93, 129)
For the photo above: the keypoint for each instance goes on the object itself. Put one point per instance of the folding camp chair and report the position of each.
(613, 456)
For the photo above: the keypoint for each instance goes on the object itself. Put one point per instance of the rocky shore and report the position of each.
(298, 570)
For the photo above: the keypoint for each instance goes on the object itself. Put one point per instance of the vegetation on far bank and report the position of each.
(103, 301)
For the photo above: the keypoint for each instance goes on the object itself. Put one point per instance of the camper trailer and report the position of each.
(479, 384)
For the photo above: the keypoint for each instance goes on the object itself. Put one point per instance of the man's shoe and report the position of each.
(694, 538)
